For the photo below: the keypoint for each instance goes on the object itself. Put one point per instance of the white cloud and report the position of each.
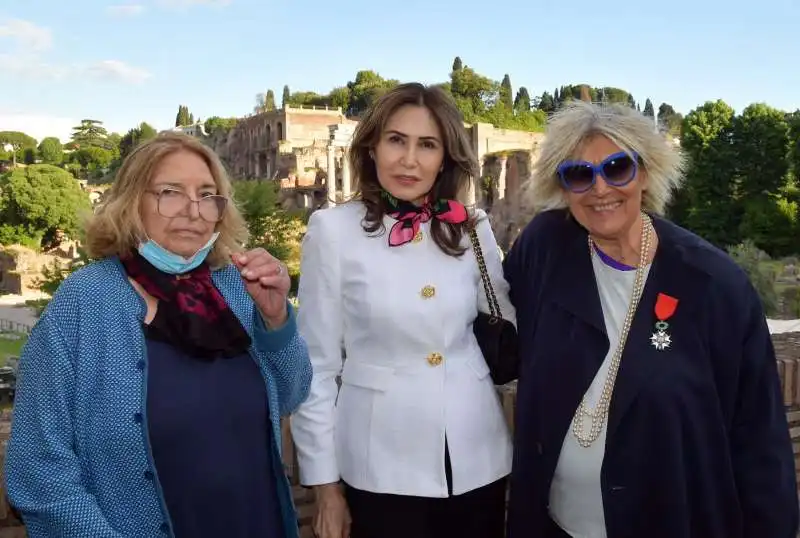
(125, 10)
(108, 70)
(120, 71)
(26, 58)
(190, 3)
(33, 66)
(26, 36)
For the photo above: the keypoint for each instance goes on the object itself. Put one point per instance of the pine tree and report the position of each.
(522, 102)
(269, 101)
(648, 109)
(546, 103)
(183, 117)
(506, 93)
(286, 96)
(457, 64)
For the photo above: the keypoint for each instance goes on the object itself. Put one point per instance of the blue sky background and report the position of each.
(63, 61)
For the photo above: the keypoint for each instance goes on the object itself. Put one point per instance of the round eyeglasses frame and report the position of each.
(221, 203)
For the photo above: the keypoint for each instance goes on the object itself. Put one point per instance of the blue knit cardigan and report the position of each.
(78, 463)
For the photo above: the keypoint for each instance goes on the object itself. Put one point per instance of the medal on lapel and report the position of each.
(665, 308)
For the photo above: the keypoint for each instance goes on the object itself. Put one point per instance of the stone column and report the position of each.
(331, 174)
(346, 187)
(471, 191)
(501, 178)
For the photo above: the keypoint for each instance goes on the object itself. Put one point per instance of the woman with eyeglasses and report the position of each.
(151, 389)
(648, 398)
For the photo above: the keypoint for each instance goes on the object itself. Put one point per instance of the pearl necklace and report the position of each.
(599, 414)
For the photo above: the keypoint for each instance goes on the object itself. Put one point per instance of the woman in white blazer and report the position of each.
(414, 444)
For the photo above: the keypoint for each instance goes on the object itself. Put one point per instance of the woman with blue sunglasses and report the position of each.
(648, 399)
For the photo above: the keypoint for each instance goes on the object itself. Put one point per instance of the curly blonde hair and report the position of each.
(116, 227)
(569, 128)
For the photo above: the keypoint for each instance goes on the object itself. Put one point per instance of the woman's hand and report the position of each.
(332, 519)
(267, 281)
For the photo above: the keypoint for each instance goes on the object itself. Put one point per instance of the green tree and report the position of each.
(19, 142)
(365, 89)
(29, 155)
(709, 208)
(546, 103)
(215, 123)
(90, 133)
(793, 120)
(270, 227)
(270, 100)
(94, 158)
(770, 221)
(761, 141)
(752, 261)
(183, 117)
(505, 93)
(134, 137)
(609, 94)
(37, 201)
(286, 96)
(522, 102)
(648, 109)
(668, 120)
(457, 64)
(340, 97)
(474, 94)
(265, 102)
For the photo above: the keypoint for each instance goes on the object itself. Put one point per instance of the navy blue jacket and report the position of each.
(697, 443)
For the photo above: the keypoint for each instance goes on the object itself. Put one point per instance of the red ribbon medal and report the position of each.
(665, 308)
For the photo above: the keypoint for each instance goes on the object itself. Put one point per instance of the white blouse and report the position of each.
(414, 372)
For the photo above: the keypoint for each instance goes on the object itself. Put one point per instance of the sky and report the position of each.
(137, 60)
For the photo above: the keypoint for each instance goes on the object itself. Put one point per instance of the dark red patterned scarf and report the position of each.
(192, 314)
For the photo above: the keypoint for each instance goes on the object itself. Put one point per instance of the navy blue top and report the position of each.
(697, 443)
(212, 444)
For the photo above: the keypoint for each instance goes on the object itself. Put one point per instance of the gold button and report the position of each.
(435, 359)
(427, 292)
(418, 237)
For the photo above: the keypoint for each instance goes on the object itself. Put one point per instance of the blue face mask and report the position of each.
(169, 262)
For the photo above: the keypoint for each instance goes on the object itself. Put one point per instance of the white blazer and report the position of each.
(413, 370)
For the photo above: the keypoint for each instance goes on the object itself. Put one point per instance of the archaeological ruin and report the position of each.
(304, 149)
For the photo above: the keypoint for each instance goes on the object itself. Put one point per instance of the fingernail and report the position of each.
(245, 273)
(242, 259)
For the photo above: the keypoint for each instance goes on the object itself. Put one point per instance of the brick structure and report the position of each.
(787, 348)
(304, 149)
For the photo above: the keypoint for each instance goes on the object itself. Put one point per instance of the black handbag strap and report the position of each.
(494, 306)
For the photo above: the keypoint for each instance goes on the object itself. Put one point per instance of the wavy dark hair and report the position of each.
(459, 167)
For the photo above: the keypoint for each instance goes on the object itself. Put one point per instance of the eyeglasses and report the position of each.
(172, 202)
(617, 170)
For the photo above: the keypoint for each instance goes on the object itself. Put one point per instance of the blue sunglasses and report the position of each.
(617, 170)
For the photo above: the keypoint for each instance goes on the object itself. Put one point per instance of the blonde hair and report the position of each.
(570, 127)
(116, 227)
